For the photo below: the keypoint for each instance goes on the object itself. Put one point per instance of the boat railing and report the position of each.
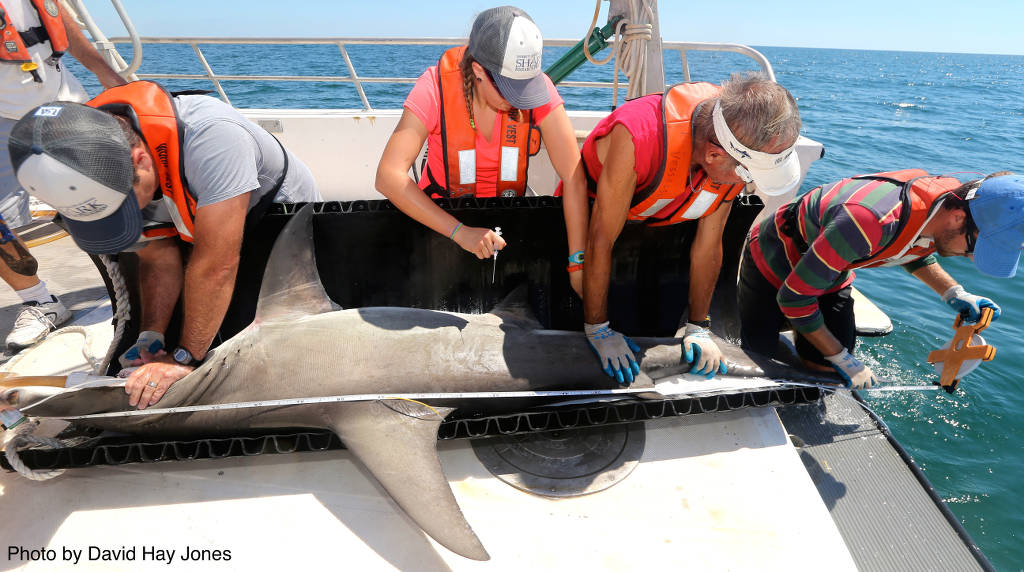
(353, 78)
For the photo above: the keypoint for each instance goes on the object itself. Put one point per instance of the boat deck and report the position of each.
(69, 274)
(886, 511)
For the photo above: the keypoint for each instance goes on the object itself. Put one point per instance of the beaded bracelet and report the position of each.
(454, 230)
(574, 268)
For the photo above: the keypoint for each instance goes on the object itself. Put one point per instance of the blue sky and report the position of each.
(987, 26)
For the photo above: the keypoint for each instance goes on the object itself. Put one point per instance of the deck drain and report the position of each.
(564, 463)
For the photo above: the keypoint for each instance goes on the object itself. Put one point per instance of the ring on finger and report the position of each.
(152, 384)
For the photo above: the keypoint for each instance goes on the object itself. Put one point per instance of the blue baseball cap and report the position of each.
(998, 210)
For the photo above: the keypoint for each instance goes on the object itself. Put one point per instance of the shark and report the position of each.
(301, 344)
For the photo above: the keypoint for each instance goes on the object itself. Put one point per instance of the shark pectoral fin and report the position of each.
(397, 441)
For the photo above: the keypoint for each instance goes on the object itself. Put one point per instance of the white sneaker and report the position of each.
(35, 321)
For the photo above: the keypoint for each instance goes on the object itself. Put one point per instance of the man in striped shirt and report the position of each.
(798, 263)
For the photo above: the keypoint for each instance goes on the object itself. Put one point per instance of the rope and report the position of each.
(99, 367)
(630, 51)
(24, 437)
(122, 314)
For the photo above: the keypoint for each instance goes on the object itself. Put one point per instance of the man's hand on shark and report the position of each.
(616, 352)
(148, 384)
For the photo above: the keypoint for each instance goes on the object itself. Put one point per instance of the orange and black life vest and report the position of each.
(920, 195)
(150, 109)
(16, 43)
(519, 139)
(673, 195)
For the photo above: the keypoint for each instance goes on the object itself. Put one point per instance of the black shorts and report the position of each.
(761, 319)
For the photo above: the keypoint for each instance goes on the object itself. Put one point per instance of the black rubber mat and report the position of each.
(888, 514)
(86, 449)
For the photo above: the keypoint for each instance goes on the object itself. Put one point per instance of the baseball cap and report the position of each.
(998, 210)
(773, 173)
(507, 43)
(76, 159)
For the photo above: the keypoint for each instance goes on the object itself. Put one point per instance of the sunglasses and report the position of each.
(971, 232)
(740, 170)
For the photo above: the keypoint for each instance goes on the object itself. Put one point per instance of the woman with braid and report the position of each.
(483, 110)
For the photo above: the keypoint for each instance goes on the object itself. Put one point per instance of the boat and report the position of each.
(782, 477)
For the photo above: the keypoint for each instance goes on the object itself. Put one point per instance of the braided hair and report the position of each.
(469, 87)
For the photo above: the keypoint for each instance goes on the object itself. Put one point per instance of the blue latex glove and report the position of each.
(855, 374)
(152, 342)
(968, 304)
(702, 352)
(615, 351)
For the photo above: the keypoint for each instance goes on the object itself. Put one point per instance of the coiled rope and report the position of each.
(22, 438)
(122, 313)
(630, 51)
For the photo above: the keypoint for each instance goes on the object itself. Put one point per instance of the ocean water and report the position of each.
(874, 111)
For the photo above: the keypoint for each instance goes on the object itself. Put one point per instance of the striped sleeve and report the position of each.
(850, 235)
(920, 263)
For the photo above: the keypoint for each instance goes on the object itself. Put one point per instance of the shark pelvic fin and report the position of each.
(397, 441)
(515, 309)
(291, 284)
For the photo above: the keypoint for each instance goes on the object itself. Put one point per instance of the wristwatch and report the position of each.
(184, 357)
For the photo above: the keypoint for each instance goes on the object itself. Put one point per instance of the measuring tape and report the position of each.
(780, 384)
(352, 398)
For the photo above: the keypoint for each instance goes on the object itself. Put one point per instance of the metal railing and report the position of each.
(683, 48)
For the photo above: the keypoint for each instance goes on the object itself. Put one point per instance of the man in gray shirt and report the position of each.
(144, 171)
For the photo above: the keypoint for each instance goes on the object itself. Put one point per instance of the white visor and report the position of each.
(773, 174)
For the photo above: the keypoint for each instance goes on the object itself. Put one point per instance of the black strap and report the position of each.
(434, 187)
(33, 36)
(256, 213)
(791, 228)
(190, 92)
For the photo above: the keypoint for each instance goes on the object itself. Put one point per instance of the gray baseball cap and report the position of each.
(507, 43)
(77, 159)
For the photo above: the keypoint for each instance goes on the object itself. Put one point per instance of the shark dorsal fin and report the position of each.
(291, 284)
(515, 309)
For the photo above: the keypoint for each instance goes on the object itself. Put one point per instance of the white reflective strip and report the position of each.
(176, 217)
(657, 206)
(509, 163)
(467, 167)
(700, 206)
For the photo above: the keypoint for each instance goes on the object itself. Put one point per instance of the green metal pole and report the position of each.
(574, 58)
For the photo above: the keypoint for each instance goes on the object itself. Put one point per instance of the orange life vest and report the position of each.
(921, 194)
(519, 139)
(673, 196)
(16, 43)
(150, 108)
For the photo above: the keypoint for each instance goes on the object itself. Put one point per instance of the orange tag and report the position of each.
(961, 350)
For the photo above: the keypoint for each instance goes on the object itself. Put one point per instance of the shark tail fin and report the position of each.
(397, 441)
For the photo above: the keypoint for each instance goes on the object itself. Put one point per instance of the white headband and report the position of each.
(743, 154)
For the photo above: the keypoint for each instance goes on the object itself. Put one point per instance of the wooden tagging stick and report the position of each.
(961, 350)
(8, 380)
